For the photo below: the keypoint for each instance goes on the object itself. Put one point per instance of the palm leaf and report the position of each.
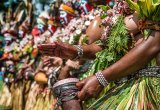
(143, 11)
(156, 16)
(125, 102)
(133, 5)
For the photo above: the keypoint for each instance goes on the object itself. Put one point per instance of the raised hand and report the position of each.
(58, 49)
(89, 87)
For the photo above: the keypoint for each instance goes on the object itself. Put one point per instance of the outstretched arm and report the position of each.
(137, 58)
(67, 51)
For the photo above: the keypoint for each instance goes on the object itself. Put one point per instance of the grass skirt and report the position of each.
(141, 93)
(5, 97)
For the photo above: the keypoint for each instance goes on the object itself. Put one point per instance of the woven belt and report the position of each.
(142, 24)
(146, 72)
(65, 90)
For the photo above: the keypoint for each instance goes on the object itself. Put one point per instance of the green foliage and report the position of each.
(147, 9)
(104, 7)
(147, 32)
(117, 44)
(75, 39)
(129, 96)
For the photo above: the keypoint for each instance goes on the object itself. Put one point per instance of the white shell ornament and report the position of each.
(87, 23)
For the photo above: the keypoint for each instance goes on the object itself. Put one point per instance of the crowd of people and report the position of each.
(79, 55)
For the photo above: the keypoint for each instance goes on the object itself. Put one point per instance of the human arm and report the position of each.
(158, 59)
(136, 59)
(68, 51)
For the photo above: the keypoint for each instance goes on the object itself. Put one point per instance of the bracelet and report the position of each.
(79, 51)
(101, 79)
(53, 77)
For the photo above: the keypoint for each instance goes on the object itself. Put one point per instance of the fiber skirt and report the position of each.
(141, 92)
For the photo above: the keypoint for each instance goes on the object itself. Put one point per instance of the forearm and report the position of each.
(90, 51)
(136, 59)
(72, 105)
(64, 73)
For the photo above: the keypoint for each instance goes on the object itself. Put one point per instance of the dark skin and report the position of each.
(67, 51)
(69, 105)
(137, 58)
(158, 59)
(63, 74)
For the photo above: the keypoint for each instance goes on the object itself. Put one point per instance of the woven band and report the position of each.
(53, 77)
(101, 79)
(65, 90)
(79, 51)
(145, 72)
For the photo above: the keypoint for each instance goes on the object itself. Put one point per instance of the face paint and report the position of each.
(64, 17)
(84, 6)
(41, 27)
(51, 28)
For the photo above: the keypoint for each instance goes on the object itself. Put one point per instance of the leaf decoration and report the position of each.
(117, 44)
(147, 9)
(133, 5)
(104, 7)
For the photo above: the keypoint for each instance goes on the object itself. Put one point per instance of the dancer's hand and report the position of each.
(90, 87)
(52, 61)
(58, 49)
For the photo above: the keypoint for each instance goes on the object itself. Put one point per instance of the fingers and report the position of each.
(63, 46)
(59, 44)
(45, 61)
(82, 95)
(80, 84)
(56, 62)
(47, 46)
(47, 53)
(51, 49)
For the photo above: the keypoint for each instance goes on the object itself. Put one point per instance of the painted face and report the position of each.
(64, 17)
(41, 27)
(84, 6)
(51, 28)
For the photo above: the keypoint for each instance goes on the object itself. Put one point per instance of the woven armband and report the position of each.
(101, 79)
(79, 52)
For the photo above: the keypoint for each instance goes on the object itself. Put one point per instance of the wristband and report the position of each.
(101, 79)
(79, 51)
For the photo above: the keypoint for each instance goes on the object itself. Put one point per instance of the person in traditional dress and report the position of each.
(134, 91)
